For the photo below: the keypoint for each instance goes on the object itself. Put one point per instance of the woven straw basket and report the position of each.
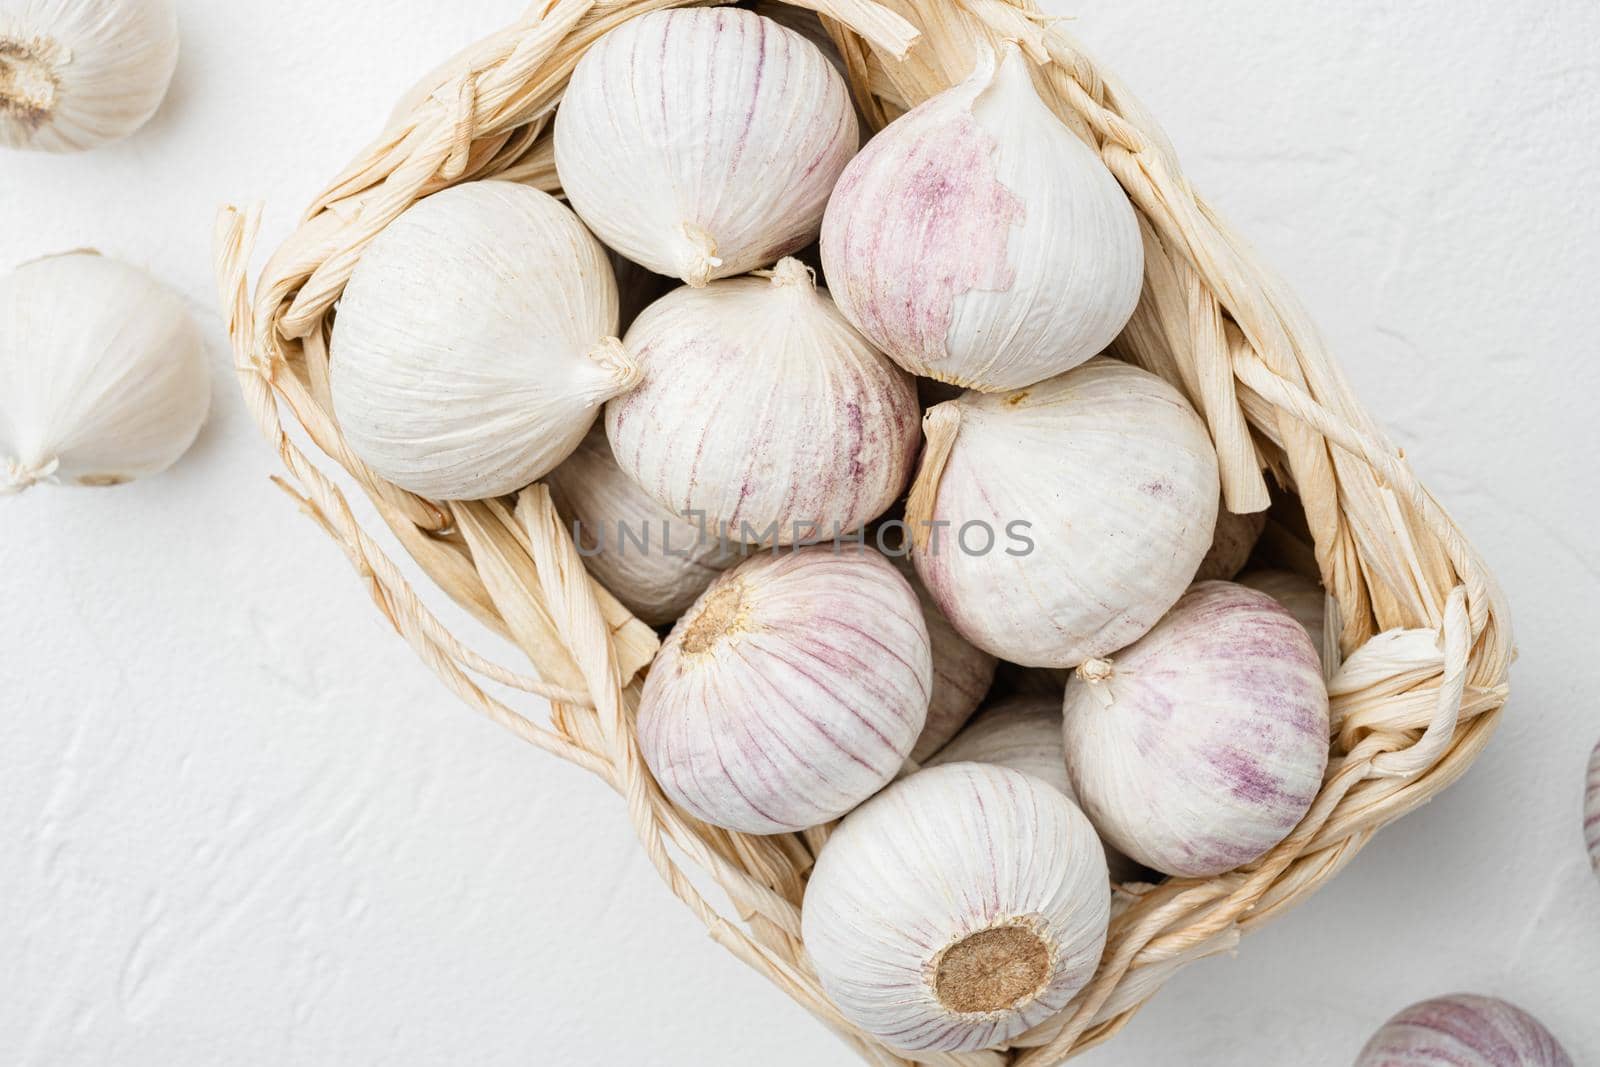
(1422, 631)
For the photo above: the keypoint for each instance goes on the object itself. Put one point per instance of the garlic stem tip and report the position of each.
(1095, 671)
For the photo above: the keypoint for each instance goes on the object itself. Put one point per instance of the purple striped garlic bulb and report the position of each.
(978, 241)
(962, 672)
(1024, 733)
(1303, 598)
(763, 412)
(1055, 577)
(1202, 745)
(1463, 1030)
(958, 908)
(703, 143)
(1591, 810)
(790, 692)
(1231, 545)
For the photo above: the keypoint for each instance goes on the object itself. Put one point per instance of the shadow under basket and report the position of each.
(1422, 633)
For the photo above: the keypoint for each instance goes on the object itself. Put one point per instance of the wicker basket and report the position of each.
(1419, 622)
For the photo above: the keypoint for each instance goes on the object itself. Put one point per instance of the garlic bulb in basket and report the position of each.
(1235, 538)
(1463, 1030)
(789, 693)
(102, 373)
(763, 410)
(1201, 745)
(978, 241)
(1057, 523)
(77, 74)
(703, 142)
(958, 908)
(655, 561)
(1303, 598)
(473, 346)
(962, 672)
(1591, 810)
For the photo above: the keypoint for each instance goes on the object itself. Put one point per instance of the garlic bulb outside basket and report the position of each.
(978, 241)
(1463, 1030)
(763, 410)
(1203, 744)
(703, 143)
(78, 73)
(1057, 523)
(791, 691)
(102, 373)
(473, 346)
(958, 908)
(1235, 538)
(656, 562)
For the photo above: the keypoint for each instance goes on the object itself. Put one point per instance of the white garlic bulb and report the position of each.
(102, 373)
(654, 561)
(1057, 523)
(704, 142)
(764, 411)
(956, 909)
(1201, 745)
(1024, 733)
(962, 672)
(790, 692)
(1591, 810)
(1303, 598)
(473, 346)
(978, 241)
(78, 73)
(1235, 538)
(1463, 1030)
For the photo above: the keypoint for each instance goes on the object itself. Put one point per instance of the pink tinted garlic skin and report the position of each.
(1591, 810)
(791, 691)
(978, 241)
(962, 672)
(1463, 1030)
(1202, 745)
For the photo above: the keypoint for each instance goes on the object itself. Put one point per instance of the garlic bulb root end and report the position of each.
(29, 82)
(992, 970)
(721, 614)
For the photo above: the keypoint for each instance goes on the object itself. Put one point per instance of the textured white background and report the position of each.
(240, 823)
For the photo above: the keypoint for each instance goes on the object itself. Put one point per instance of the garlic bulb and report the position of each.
(1202, 745)
(1052, 578)
(962, 672)
(654, 561)
(958, 908)
(764, 411)
(1591, 810)
(1235, 538)
(78, 73)
(978, 241)
(473, 346)
(1303, 598)
(789, 693)
(703, 143)
(1024, 733)
(1463, 1030)
(102, 373)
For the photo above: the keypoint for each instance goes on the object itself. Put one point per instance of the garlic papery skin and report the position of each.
(102, 374)
(791, 691)
(978, 241)
(1591, 810)
(956, 909)
(1024, 733)
(763, 411)
(962, 672)
(703, 143)
(1203, 744)
(1303, 598)
(1463, 1030)
(1235, 538)
(1094, 493)
(654, 561)
(474, 344)
(78, 73)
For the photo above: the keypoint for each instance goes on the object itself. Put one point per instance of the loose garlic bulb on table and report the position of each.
(655, 561)
(78, 73)
(978, 241)
(764, 411)
(703, 143)
(1463, 1030)
(1057, 523)
(102, 373)
(962, 672)
(1235, 538)
(958, 908)
(789, 693)
(1201, 745)
(473, 346)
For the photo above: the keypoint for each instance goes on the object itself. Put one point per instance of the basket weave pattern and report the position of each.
(1421, 628)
